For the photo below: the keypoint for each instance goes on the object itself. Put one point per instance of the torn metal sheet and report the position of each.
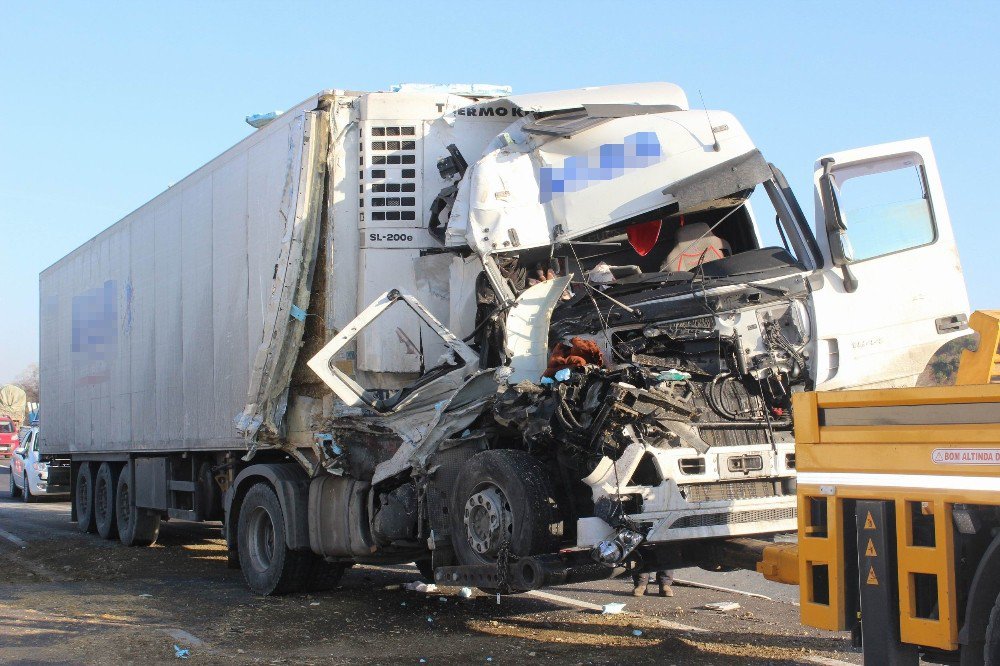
(290, 287)
(528, 329)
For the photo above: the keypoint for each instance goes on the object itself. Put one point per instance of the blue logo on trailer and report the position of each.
(95, 333)
(607, 162)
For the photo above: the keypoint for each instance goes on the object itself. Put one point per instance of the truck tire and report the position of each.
(136, 527)
(104, 501)
(13, 489)
(503, 497)
(269, 565)
(83, 497)
(991, 654)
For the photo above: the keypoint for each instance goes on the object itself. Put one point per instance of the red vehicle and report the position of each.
(8, 437)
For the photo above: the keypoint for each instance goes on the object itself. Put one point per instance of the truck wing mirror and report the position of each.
(841, 250)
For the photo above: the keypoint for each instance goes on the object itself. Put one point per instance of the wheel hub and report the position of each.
(487, 519)
(261, 539)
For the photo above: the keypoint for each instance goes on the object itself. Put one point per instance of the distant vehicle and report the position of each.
(31, 477)
(8, 437)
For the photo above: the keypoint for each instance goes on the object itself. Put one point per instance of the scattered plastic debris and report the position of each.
(258, 120)
(420, 586)
(673, 375)
(489, 658)
(423, 661)
(637, 632)
(562, 375)
(181, 653)
(722, 606)
(146, 596)
(430, 619)
(314, 603)
(546, 380)
(392, 588)
(465, 593)
(612, 608)
(443, 599)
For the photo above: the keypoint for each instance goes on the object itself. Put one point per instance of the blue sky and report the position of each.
(102, 105)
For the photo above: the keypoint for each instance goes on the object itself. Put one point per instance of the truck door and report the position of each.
(890, 293)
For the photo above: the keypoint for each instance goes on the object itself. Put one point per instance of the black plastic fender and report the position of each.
(292, 487)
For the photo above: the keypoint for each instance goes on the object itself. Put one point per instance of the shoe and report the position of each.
(666, 590)
(639, 590)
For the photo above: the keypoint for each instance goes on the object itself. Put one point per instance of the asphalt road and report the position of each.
(68, 597)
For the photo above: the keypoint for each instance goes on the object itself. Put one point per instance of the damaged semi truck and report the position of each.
(521, 340)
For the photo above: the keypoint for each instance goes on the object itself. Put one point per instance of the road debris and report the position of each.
(722, 606)
(420, 586)
(612, 608)
(181, 653)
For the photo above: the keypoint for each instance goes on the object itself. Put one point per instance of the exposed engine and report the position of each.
(699, 382)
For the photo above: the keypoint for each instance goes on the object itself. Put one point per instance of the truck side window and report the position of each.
(886, 210)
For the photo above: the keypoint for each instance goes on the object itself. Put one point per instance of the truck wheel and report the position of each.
(991, 655)
(136, 527)
(13, 489)
(269, 565)
(84, 498)
(503, 497)
(104, 502)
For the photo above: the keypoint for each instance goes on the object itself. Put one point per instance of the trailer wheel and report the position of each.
(104, 502)
(136, 527)
(503, 498)
(84, 499)
(991, 655)
(13, 489)
(269, 565)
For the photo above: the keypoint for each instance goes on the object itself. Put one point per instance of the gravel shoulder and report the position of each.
(69, 597)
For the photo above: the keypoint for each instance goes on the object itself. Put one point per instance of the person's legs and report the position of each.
(639, 582)
(665, 579)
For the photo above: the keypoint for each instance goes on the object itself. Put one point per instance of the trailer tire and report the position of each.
(991, 653)
(83, 498)
(15, 492)
(503, 491)
(104, 501)
(136, 527)
(269, 565)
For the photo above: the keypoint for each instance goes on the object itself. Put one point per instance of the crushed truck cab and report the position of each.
(490, 328)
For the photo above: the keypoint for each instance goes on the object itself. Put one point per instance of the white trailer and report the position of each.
(444, 324)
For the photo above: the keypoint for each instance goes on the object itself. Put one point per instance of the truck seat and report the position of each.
(695, 245)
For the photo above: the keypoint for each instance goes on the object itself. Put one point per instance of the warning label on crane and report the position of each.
(870, 522)
(872, 580)
(870, 550)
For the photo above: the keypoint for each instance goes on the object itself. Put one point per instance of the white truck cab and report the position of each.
(627, 330)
